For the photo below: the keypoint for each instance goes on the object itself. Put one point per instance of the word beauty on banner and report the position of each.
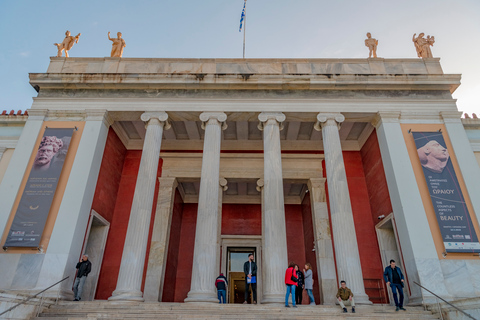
(451, 211)
(32, 212)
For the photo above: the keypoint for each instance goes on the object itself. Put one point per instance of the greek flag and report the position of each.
(242, 17)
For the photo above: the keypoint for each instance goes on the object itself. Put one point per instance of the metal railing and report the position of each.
(33, 296)
(438, 304)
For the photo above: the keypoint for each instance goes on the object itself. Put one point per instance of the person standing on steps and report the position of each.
(83, 269)
(250, 270)
(291, 282)
(221, 283)
(393, 276)
(345, 295)
(309, 282)
(300, 285)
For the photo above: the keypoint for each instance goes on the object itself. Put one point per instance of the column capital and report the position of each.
(37, 114)
(324, 119)
(316, 183)
(260, 184)
(161, 116)
(167, 182)
(220, 117)
(223, 184)
(99, 115)
(387, 117)
(451, 116)
(265, 116)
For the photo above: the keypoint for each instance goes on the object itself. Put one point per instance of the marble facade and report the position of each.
(345, 99)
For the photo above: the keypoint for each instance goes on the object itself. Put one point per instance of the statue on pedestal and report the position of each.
(423, 45)
(117, 45)
(372, 44)
(67, 43)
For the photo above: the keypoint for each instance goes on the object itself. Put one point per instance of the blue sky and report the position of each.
(209, 29)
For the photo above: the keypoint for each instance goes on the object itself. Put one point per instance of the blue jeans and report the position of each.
(290, 288)
(398, 287)
(221, 295)
(310, 295)
(78, 287)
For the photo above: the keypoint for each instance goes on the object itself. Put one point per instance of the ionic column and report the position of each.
(205, 267)
(133, 259)
(344, 236)
(157, 257)
(274, 234)
(327, 276)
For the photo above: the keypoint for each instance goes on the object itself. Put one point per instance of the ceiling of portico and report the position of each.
(242, 133)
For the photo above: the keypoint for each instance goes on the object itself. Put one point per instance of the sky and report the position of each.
(209, 29)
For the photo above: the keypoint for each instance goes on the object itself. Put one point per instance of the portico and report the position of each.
(276, 155)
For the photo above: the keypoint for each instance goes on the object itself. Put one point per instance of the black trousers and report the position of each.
(298, 295)
(254, 290)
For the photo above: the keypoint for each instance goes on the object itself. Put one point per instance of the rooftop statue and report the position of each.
(423, 45)
(117, 45)
(372, 44)
(67, 43)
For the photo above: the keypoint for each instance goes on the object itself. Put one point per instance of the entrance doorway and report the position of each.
(234, 253)
(236, 257)
(94, 246)
(388, 243)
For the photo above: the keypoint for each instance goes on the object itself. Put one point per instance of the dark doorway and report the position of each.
(236, 257)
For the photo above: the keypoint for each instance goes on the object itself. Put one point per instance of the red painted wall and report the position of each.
(241, 219)
(185, 251)
(173, 250)
(375, 177)
(109, 176)
(364, 226)
(309, 238)
(107, 280)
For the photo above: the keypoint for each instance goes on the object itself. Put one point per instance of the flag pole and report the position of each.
(244, 28)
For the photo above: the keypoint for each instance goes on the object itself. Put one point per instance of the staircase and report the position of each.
(116, 310)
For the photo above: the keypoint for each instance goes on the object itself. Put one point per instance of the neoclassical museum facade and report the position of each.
(176, 169)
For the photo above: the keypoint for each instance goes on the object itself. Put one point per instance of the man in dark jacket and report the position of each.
(393, 276)
(221, 283)
(250, 270)
(83, 269)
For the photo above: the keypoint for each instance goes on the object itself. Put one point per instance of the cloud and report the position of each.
(24, 54)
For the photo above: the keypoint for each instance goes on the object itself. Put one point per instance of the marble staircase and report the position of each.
(108, 310)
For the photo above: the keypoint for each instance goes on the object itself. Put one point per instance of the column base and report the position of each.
(201, 297)
(362, 299)
(127, 295)
(274, 298)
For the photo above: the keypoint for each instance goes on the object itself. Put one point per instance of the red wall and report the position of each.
(185, 251)
(173, 252)
(375, 178)
(107, 280)
(241, 219)
(364, 226)
(109, 176)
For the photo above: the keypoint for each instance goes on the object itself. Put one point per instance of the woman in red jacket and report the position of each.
(291, 282)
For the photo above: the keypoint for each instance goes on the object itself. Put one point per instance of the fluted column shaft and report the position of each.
(344, 236)
(204, 270)
(133, 259)
(274, 234)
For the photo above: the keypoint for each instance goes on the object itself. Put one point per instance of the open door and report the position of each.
(389, 249)
(94, 245)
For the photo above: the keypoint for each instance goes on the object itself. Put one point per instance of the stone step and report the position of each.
(128, 311)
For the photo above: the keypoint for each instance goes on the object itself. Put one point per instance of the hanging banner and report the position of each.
(32, 212)
(451, 210)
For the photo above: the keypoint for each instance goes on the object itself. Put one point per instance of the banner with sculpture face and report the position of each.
(447, 198)
(32, 212)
